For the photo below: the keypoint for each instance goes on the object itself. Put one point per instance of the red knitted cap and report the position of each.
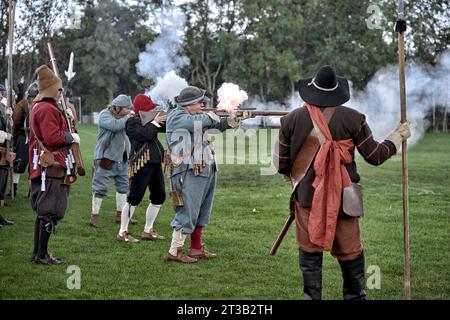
(143, 103)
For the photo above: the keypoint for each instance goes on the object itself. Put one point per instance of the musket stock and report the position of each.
(282, 233)
(75, 147)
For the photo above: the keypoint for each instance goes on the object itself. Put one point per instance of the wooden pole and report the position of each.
(401, 28)
(11, 9)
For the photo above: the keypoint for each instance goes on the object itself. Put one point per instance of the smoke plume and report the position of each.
(162, 58)
(380, 100)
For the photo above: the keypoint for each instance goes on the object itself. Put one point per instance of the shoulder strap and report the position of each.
(37, 139)
(308, 151)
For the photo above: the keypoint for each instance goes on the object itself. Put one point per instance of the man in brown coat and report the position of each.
(21, 125)
(321, 138)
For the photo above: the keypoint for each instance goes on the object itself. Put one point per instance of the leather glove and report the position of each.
(76, 138)
(401, 133)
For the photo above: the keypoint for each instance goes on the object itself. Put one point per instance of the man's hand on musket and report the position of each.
(246, 115)
(9, 111)
(11, 156)
(76, 138)
(160, 118)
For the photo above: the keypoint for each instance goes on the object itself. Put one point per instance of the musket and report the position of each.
(400, 27)
(282, 233)
(11, 9)
(252, 111)
(75, 146)
(148, 116)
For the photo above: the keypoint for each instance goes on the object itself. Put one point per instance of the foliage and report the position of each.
(263, 45)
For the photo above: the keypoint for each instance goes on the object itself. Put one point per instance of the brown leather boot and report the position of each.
(126, 237)
(180, 257)
(202, 253)
(118, 217)
(94, 221)
(152, 235)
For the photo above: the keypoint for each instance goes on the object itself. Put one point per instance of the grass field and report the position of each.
(249, 210)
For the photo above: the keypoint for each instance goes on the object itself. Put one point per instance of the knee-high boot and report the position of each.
(311, 267)
(36, 239)
(353, 276)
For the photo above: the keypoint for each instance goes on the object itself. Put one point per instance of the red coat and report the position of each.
(51, 129)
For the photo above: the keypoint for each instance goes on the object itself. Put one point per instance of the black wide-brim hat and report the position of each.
(325, 89)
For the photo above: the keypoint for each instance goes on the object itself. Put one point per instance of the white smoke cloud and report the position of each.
(162, 58)
(163, 54)
(230, 96)
(167, 87)
(380, 100)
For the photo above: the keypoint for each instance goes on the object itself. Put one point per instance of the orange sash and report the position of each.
(331, 178)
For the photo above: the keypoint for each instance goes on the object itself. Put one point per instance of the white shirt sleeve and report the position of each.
(3, 136)
(156, 124)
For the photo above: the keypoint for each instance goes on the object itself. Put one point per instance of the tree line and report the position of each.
(264, 46)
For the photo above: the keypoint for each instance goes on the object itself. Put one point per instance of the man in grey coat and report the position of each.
(110, 156)
(193, 171)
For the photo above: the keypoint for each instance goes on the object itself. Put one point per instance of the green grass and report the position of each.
(240, 235)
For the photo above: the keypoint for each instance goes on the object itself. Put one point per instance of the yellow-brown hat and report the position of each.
(49, 84)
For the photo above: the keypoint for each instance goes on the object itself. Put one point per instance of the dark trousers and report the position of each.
(21, 162)
(3, 181)
(150, 176)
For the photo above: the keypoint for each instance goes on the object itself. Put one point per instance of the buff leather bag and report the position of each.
(46, 159)
(106, 164)
(352, 200)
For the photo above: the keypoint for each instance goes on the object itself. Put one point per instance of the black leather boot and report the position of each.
(4, 221)
(43, 256)
(353, 274)
(311, 267)
(36, 239)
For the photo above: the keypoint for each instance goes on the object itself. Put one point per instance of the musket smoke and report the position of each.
(167, 87)
(162, 59)
(426, 87)
(230, 96)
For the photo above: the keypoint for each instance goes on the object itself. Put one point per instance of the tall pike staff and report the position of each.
(400, 27)
(75, 146)
(12, 10)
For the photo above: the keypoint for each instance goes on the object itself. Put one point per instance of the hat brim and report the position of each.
(320, 98)
(203, 99)
(48, 92)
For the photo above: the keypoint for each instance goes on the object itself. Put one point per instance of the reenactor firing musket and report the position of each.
(74, 152)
